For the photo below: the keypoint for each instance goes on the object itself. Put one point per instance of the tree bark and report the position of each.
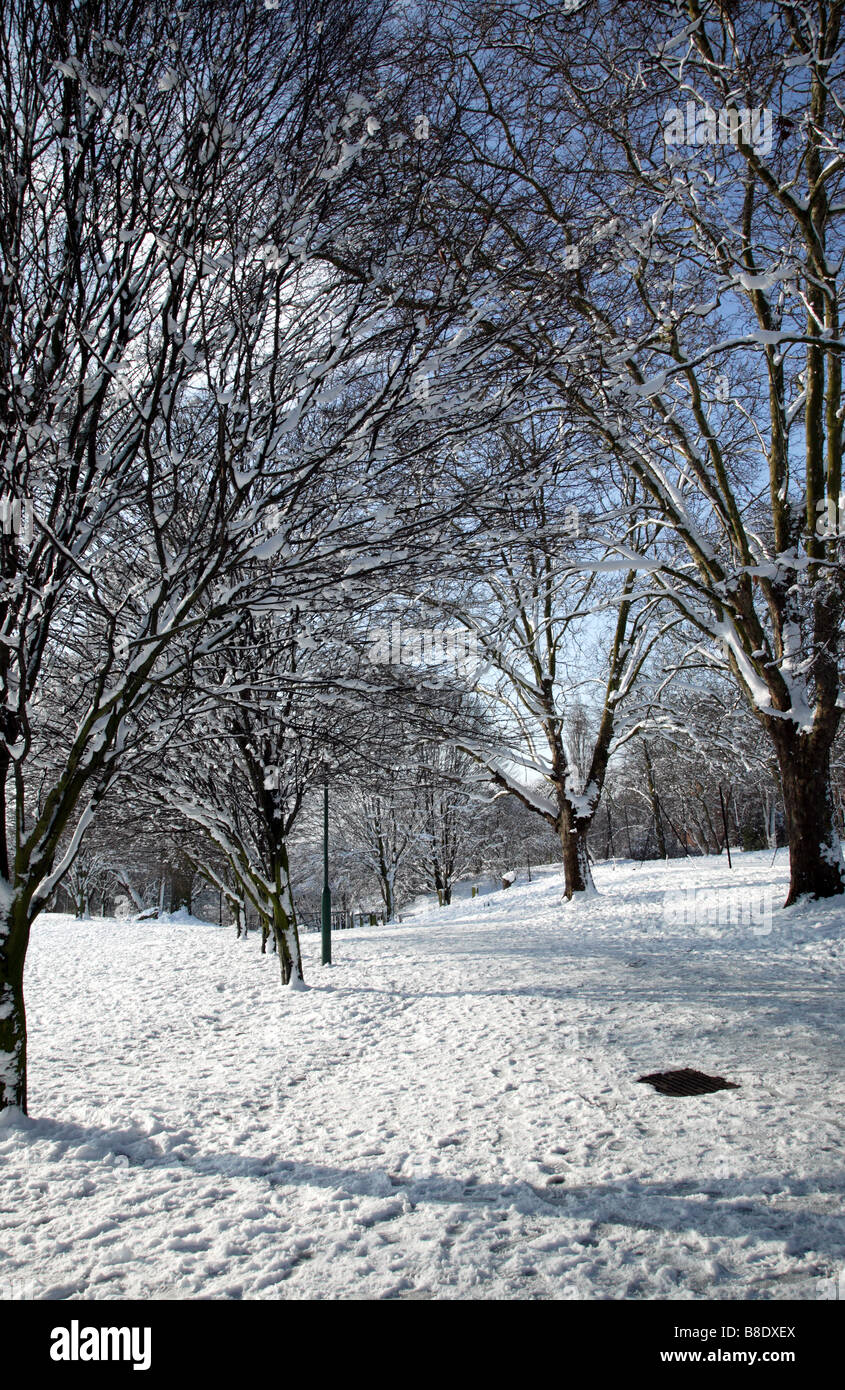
(655, 804)
(815, 854)
(576, 862)
(13, 1090)
(442, 883)
(387, 894)
(286, 937)
(285, 930)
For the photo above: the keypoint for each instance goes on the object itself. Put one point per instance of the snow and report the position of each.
(450, 1111)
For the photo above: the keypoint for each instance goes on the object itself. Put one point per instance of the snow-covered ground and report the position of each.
(451, 1111)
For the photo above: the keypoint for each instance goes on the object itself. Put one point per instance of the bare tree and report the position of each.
(534, 590)
(193, 410)
(660, 191)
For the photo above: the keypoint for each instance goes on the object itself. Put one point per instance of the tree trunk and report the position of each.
(442, 882)
(181, 887)
(655, 804)
(387, 894)
(285, 930)
(571, 828)
(576, 862)
(286, 938)
(12, 1010)
(815, 854)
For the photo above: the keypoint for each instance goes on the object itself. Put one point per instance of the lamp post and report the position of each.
(326, 899)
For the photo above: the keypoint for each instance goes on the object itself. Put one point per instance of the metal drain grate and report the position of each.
(687, 1082)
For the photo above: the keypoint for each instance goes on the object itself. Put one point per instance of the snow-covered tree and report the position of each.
(451, 788)
(270, 711)
(554, 632)
(662, 192)
(378, 823)
(194, 412)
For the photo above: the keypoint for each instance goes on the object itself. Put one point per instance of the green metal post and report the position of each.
(326, 900)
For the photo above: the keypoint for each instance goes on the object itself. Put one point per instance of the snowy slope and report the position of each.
(392, 1132)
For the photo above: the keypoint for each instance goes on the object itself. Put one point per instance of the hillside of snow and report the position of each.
(450, 1111)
